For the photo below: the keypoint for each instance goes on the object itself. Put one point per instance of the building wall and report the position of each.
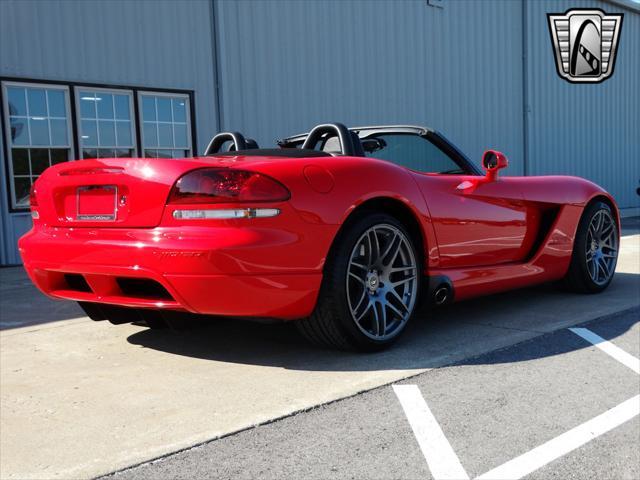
(379, 62)
(482, 73)
(145, 44)
(590, 130)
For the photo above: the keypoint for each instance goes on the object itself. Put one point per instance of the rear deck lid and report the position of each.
(124, 192)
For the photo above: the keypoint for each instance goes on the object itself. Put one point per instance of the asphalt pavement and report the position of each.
(492, 408)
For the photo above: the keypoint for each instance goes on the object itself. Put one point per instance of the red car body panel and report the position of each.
(484, 236)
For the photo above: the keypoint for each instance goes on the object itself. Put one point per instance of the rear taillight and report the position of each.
(33, 202)
(221, 185)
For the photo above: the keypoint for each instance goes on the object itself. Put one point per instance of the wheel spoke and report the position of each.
(403, 281)
(402, 269)
(605, 268)
(360, 280)
(362, 297)
(375, 247)
(383, 318)
(592, 269)
(367, 308)
(359, 265)
(389, 246)
(395, 309)
(399, 298)
(376, 319)
(599, 222)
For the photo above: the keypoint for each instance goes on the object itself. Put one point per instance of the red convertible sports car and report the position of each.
(343, 230)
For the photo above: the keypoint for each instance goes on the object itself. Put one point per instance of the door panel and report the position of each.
(476, 222)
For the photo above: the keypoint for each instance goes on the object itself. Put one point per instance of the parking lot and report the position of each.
(471, 389)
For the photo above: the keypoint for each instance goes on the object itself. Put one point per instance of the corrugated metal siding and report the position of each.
(149, 44)
(592, 131)
(145, 44)
(288, 65)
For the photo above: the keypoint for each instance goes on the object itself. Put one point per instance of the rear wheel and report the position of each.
(370, 287)
(595, 250)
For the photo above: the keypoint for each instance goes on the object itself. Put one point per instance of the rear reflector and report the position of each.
(225, 214)
(224, 185)
(33, 203)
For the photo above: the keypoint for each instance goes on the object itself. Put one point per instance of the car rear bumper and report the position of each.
(250, 272)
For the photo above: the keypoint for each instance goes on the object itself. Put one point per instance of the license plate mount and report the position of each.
(97, 203)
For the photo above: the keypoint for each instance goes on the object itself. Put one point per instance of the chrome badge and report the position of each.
(585, 44)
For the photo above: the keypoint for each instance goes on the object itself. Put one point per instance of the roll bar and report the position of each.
(236, 138)
(346, 142)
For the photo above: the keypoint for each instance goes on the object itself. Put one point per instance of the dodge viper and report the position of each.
(343, 230)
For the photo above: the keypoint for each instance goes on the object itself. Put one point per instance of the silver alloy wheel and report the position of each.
(382, 282)
(601, 247)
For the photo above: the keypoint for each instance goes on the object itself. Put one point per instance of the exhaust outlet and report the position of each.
(441, 295)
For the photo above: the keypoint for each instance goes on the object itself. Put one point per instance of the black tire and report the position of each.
(579, 278)
(332, 325)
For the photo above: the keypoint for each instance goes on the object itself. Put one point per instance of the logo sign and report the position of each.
(585, 44)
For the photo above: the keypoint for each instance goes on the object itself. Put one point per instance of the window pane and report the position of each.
(165, 154)
(19, 131)
(104, 102)
(58, 155)
(123, 112)
(39, 131)
(417, 153)
(20, 161)
(107, 133)
(180, 132)
(58, 132)
(57, 107)
(39, 160)
(123, 129)
(37, 102)
(165, 135)
(179, 110)
(150, 135)
(89, 133)
(22, 187)
(124, 153)
(151, 153)
(87, 105)
(17, 102)
(180, 153)
(164, 109)
(148, 109)
(106, 153)
(89, 153)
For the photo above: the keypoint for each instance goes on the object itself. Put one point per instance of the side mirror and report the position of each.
(492, 161)
(371, 145)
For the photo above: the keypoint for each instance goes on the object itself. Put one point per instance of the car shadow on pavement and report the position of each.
(22, 305)
(436, 337)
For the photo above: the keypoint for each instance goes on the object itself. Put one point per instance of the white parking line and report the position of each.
(609, 348)
(444, 463)
(565, 443)
(442, 460)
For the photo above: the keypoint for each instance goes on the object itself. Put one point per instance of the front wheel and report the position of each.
(595, 250)
(370, 287)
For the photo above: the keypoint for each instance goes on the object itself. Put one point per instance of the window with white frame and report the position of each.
(166, 129)
(37, 121)
(105, 123)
